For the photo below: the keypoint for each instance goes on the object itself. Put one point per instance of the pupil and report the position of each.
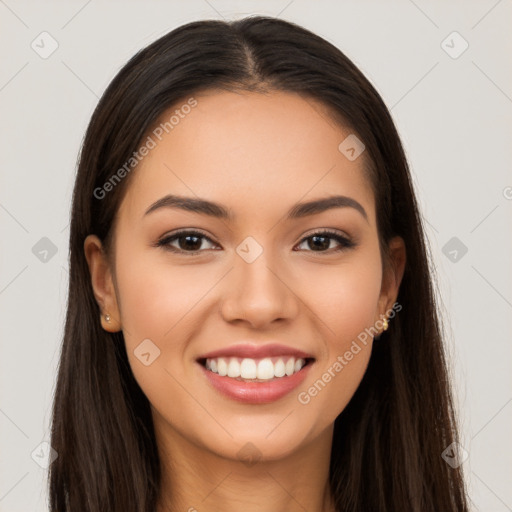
(192, 246)
(324, 245)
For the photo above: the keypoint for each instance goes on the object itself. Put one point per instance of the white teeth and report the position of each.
(261, 369)
(233, 368)
(265, 369)
(279, 369)
(222, 367)
(248, 369)
(290, 366)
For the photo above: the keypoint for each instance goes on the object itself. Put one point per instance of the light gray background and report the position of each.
(454, 117)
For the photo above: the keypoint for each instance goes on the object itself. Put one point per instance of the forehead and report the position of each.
(253, 152)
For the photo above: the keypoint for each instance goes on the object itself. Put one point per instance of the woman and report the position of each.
(251, 319)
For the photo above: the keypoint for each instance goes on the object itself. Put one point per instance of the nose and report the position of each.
(258, 293)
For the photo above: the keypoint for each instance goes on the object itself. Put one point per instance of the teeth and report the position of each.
(265, 369)
(222, 367)
(233, 368)
(279, 369)
(261, 369)
(290, 366)
(248, 369)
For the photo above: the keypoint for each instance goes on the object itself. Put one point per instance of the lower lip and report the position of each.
(256, 392)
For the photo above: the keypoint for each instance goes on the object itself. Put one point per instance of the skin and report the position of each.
(258, 155)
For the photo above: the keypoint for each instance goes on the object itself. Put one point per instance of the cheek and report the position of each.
(157, 296)
(346, 312)
(358, 301)
(158, 302)
(344, 298)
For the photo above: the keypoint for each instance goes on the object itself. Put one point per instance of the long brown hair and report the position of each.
(388, 441)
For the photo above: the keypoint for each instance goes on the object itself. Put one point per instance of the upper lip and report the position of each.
(247, 350)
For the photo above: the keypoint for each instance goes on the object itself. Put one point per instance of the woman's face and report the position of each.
(254, 289)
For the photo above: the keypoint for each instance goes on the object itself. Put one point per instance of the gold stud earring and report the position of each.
(385, 324)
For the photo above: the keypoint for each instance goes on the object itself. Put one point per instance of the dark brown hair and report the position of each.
(387, 445)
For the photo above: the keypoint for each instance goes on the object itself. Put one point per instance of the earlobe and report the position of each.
(102, 284)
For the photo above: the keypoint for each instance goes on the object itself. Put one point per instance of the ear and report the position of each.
(102, 283)
(392, 277)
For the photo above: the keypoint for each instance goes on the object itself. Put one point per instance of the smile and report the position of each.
(255, 374)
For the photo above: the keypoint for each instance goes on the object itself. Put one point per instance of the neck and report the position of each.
(197, 480)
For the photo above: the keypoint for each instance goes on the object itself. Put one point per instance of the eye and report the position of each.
(321, 240)
(188, 242)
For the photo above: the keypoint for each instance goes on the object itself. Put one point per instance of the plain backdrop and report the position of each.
(450, 96)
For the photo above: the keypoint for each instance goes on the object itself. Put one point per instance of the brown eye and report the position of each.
(321, 241)
(187, 242)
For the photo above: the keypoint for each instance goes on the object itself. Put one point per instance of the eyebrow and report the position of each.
(300, 210)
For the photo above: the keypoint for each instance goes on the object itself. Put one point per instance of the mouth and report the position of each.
(255, 375)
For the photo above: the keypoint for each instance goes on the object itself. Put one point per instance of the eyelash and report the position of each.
(345, 243)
